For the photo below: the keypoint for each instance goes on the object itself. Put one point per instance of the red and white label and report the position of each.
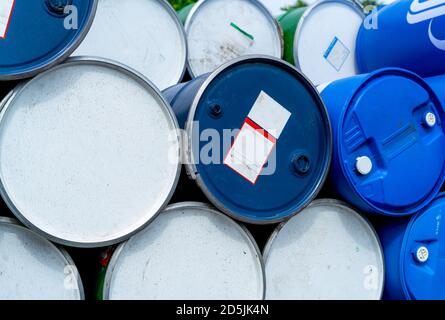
(6, 7)
(257, 137)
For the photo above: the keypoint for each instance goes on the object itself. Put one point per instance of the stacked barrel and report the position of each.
(219, 152)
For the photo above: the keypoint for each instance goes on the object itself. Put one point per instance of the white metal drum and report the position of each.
(32, 268)
(143, 34)
(190, 251)
(221, 30)
(324, 45)
(89, 153)
(328, 251)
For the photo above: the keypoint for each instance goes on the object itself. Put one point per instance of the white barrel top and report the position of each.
(32, 268)
(190, 251)
(89, 153)
(143, 34)
(324, 45)
(221, 30)
(326, 252)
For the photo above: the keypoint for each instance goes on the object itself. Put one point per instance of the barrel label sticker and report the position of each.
(6, 7)
(337, 54)
(257, 137)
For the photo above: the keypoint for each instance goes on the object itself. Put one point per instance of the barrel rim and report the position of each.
(189, 144)
(61, 56)
(278, 30)
(188, 205)
(350, 3)
(61, 251)
(368, 78)
(181, 29)
(339, 204)
(147, 85)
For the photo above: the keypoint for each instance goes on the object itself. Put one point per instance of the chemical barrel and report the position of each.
(389, 141)
(320, 39)
(36, 35)
(189, 252)
(146, 35)
(326, 252)
(257, 140)
(32, 268)
(89, 153)
(221, 30)
(408, 34)
(414, 249)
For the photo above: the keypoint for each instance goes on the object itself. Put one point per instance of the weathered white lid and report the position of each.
(189, 252)
(32, 268)
(328, 251)
(324, 45)
(89, 153)
(221, 30)
(143, 34)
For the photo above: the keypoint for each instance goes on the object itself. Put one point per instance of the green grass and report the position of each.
(179, 4)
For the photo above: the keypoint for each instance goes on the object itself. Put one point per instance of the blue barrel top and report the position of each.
(302, 150)
(423, 254)
(35, 35)
(390, 125)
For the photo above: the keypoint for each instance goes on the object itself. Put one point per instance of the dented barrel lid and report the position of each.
(36, 35)
(391, 136)
(221, 30)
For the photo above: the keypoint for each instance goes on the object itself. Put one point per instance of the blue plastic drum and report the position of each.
(438, 85)
(414, 251)
(408, 34)
(389, 141)
(258, 138)
(36, 35)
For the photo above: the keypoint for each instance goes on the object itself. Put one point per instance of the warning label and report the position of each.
(257, 137)
(337, 54)
(6, 7)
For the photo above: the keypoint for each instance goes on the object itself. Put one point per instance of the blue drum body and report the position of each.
(410, 35)
(414, 254)
(36, 35)
(389, 141)
(224, 106)
(438, 85)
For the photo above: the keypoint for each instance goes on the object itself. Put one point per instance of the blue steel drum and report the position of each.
(35, 35)
(270, 134)
(389, 141)
(409, 34)
(414, 250)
